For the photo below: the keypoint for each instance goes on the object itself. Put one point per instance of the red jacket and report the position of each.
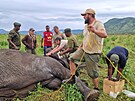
(48, 38)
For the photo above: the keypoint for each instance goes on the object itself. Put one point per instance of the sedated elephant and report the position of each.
(20, 72)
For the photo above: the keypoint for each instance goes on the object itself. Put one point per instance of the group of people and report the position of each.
(29, 40)
(90, 49)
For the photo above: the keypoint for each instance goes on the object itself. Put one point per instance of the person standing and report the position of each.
(118, 56)
(47, 36)
(72, 44)
(92, 44)
(57, 33)
(14, 37)
(30, 41)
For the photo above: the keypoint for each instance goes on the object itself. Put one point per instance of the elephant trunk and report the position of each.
(89, 94)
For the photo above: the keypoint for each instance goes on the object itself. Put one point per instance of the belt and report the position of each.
(96, 54)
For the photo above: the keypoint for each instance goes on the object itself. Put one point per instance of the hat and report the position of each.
(67, 30)
(114, 58)
(31, 29)
(17, 24)
(88, 11)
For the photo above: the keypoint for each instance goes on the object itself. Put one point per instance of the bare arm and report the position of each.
(101, 33)
(12, 44)
(80, 46)
(66, 51)
(55, 50)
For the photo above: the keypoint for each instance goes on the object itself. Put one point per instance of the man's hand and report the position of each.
(61, 54)
(16, 48)
(79, 48)
(48, 54)
(91, 28)
(101, 33)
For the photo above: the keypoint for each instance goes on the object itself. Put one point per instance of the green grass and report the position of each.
(70, 92)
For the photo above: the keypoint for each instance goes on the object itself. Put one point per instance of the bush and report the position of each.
(3, 43)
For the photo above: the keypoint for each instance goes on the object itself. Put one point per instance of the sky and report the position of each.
(63, 13)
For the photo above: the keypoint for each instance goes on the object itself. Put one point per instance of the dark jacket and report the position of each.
(29, 41)
(122, 53)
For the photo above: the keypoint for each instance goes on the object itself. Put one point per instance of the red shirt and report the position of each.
(48, 38)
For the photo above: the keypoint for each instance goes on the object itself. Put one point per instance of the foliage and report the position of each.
(128, 73)
(72, 93)
(69, 93)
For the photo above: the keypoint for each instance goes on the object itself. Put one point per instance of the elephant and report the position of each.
(20, 72)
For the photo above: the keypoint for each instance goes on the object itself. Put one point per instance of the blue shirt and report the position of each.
(122, 53)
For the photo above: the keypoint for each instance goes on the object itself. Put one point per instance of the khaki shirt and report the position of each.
(61, 35)
(15, 38)
(72, 43)
(92, 43)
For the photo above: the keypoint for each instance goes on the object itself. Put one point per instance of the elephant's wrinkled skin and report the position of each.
(20, 72)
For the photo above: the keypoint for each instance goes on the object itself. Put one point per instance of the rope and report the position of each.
(130, 82)
(55, 92)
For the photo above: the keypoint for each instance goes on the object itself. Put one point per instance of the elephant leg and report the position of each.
(89, 94)
(54, 84)
(2, 99)
(6, 94)
(21, 93)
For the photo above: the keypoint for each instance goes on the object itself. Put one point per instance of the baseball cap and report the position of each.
(17, 24)
(31, 29)
(67, 30)
(88, 11)
(114, 58)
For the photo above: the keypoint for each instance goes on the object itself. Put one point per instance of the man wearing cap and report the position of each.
(14, 37)
(47, 37)
(92, 44)
(72, 44)
(30, 41)
(118, 56)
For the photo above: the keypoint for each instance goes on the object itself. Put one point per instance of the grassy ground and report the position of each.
(70, 92)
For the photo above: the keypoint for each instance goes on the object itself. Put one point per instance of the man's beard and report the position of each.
(87, 21)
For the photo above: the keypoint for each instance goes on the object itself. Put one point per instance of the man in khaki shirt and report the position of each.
(57, 33)
(92, 44)
(72, 44)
